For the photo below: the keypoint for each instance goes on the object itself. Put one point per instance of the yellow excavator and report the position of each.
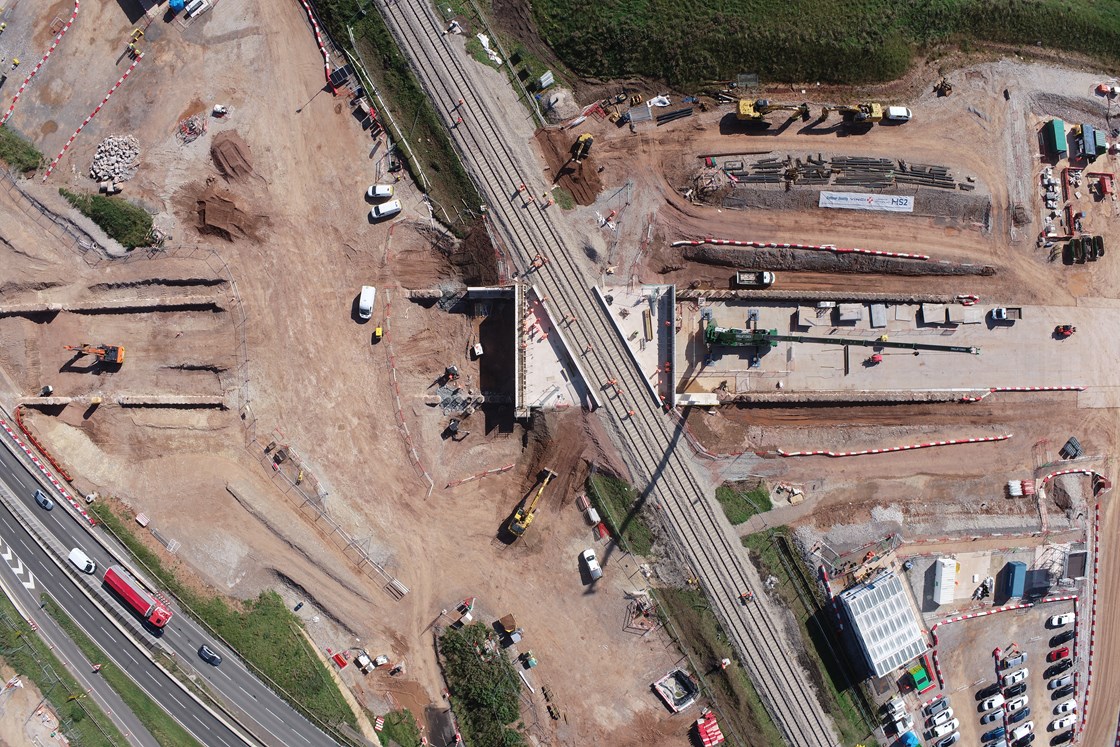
(103, 353)
(753, 110)
(857, 113)
(523, 517)
(582, 147)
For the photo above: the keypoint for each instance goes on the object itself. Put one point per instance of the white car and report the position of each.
(1015, 677)
(897, 114)
(1062, 681)
(942, 729)
(1066, 706)
(1022, 731)
(593, 567)
(1017, 704)
(1060, 621)
(385, 210)
(993, 702)
(379, 191)
(1063, 723)
(941, 718)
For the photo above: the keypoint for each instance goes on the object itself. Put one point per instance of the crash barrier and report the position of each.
(34, 70)
(49, 475)
(1101, 484)
(402, 426)
(998, 389)
(120, 81)
(319, 40)
(811, 247)
(480, 475)
(937, 670)
(1092, 619)
(38, 445)
(891, 449)
(971, 615)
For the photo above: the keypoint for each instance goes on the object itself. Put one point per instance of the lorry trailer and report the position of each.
(130, 590)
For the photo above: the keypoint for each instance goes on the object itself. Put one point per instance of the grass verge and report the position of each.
(702, 638)
(447, 183)
(740, 503)
(613, 498)
(262, 630)
(824, 658)
(563, 198)
(120, 219)
(17, 152)
(484, 686)
(164, 728)
(804, 40)
(83, 722)
(401, 728)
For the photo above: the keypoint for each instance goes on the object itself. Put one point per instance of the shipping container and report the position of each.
(1016, 578)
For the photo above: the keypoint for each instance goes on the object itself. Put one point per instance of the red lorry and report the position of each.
(130, 590)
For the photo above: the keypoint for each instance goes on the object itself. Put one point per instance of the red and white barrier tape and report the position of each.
(811, 247)
(1092, 618)
(35, 69)
(892, 449)
(49, 475)
(118, 84)
(998, 389)
(319, 40)
(971, 615)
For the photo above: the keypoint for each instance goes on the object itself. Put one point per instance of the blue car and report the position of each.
(993, 734)
(1018, 716)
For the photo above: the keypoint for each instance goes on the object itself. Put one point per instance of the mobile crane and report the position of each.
(765, 339)
(523, 517)
(103, 353)
(753, 110)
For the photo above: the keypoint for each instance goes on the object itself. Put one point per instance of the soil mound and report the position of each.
(220, 214)
(582, 179)
(231, 155)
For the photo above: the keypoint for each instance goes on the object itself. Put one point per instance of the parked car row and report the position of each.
(940, 723)
(382, 209)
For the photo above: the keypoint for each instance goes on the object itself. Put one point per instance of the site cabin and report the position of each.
(1016, 578)
(1054, 134)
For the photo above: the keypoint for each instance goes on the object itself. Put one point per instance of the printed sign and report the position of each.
(858, 201)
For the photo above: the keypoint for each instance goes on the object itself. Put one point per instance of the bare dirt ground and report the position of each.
(303, 370)
(24, 719)
(581, 179)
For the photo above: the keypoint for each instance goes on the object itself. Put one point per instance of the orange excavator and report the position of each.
(103, 353)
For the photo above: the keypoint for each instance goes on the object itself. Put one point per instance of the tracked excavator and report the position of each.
(103, 353)
(581, 148)
(857, 113)
(754, 110)
(523, 517)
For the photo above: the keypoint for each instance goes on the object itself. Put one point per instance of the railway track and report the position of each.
(648, 437)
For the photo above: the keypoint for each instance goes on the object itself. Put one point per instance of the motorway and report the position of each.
(263, 713)
(500, 159)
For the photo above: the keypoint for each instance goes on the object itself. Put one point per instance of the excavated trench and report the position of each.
(161, 282)
(799, 259)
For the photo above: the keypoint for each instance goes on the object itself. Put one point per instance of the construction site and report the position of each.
(892, 318)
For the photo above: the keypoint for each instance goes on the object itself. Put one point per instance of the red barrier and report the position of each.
(49, 475)
(995, 389)
(35, 69)
(1092, 618)
(891, 449)
(985, 613)
(319, 40)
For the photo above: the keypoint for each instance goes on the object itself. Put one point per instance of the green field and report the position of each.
(840, 41)
(618, 505)
(17, 152)
(740, 503)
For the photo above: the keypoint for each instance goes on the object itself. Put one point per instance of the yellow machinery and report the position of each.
(104, 353)
(754, 110)
(582, 146)
(859, 112)
(524, 515)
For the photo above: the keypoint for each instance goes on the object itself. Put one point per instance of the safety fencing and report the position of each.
(1092, 619)
(810, 247)
(402, 425)
(480, 475)
(999, 389)
(34, 70)
(105, 100)
(892, 449)
(937, 670)
(38, 445)
(319, 40)
(1101, 484)
(49, 475)
(971, 615)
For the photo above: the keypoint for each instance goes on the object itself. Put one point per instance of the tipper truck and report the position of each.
(130, 590)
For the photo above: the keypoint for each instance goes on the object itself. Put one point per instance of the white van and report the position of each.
(897, 114)
(379, 191)
(385, 210)
(81, 561)
(365, 301)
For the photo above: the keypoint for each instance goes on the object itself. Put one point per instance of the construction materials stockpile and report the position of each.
(843, 171)
(116, 159)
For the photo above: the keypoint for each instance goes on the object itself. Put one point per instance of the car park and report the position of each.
(1021, 731)
(994, 734)
(1060, 621)
(1015, 677)
(943, 729)
(1015, 690)
(993, 702)
(1018, 716)
(1058, 653)
(940, 718)
(44, 502)
(1016, 705)
(1063, 723)
(1064, 637)
(1055, 669)
(946, 741)
(1066, 706)
(1065, 690)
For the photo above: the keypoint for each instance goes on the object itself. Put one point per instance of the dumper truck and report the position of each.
(136, 597)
